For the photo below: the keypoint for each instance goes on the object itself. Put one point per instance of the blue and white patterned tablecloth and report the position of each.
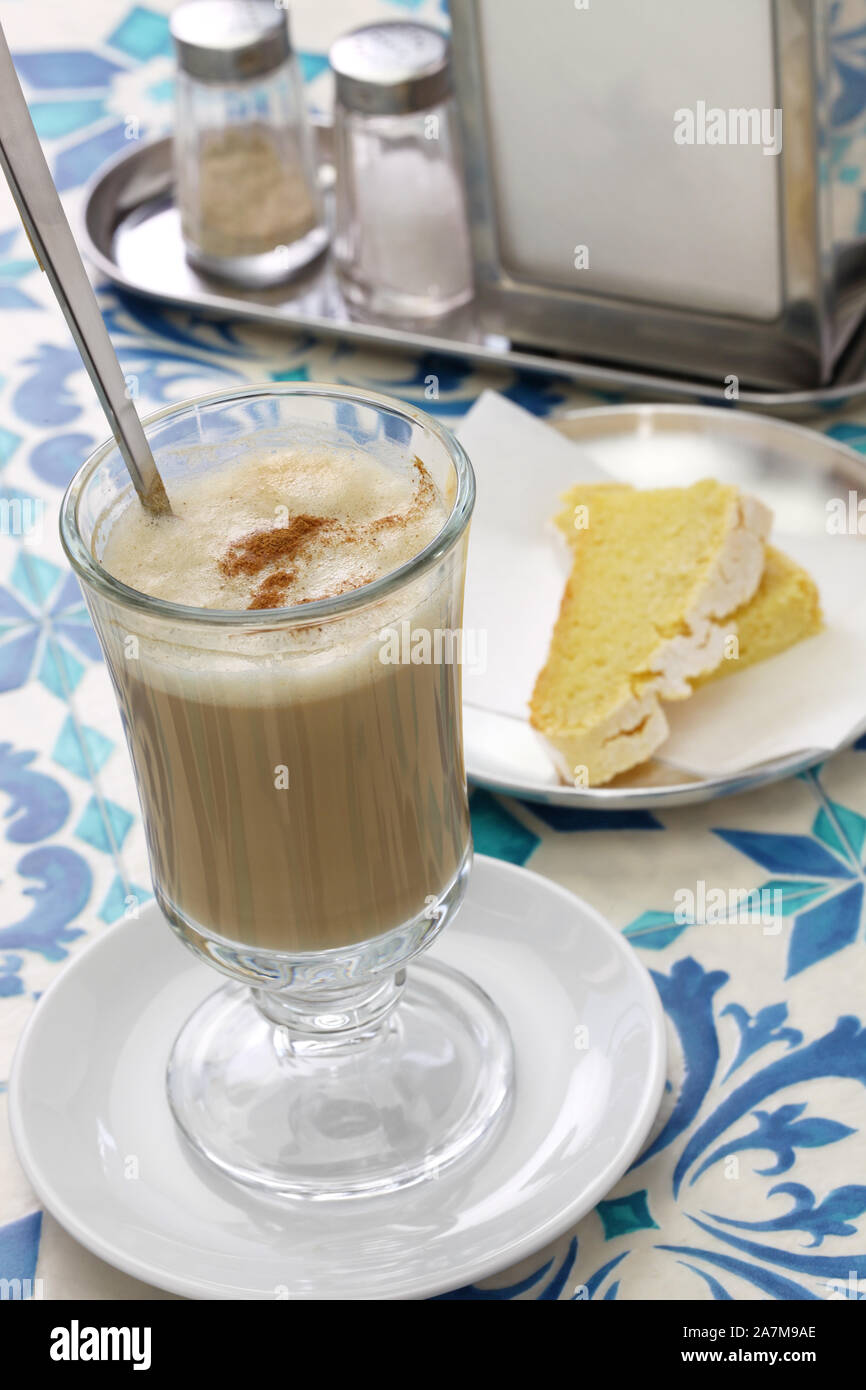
(754, 1181)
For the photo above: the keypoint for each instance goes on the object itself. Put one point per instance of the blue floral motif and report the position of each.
(818, 879)
(80, 749)
(44, 628)
(687, 995)
(497, 832)
(38, 805)
(766, 1026)
(619, 1215)
(14, 269)
(655, 930)
(571, 818)
(706, 1124)
(786, 853)
(122, 900)
(63, 882)
(11, 982)
(183, 335)
(45, 396)
(54, 119)
(595, 1281)
(142, 34)
(19, 1247)
(76, 164)
(841, 1052)
(821, 1268)
(550, 1291)
(104, 825)
(829, 1218)
(717, 1290)
(65, 69)
(56, 459)
(848, 57)
(781, 1133)
(765, 1280)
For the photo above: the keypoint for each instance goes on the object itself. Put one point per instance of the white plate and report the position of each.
(794, 470)
(87, 1097)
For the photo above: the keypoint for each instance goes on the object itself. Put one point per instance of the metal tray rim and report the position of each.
(592, 375)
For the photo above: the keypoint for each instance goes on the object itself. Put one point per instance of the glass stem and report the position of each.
(332, 1018)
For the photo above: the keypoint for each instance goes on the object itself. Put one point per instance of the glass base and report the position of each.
(374, 302)
(363, 1098)
(266, 268)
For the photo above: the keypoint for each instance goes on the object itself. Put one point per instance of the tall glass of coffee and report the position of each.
(285, 650)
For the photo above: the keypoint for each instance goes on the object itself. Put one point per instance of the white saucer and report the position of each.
(88, 1112)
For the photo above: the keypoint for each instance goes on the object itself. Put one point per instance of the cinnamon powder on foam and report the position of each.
(282, 545)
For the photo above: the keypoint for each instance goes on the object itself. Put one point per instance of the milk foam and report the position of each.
(378, 519)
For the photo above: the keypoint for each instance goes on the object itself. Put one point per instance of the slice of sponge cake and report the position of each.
(655, 574)
(785, 609)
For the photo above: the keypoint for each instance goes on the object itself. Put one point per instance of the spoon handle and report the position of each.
(36, 197)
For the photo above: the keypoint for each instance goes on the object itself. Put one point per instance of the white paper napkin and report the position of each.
(811, 697)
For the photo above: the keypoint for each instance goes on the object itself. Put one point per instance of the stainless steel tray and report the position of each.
(131, 233)
(794, 470)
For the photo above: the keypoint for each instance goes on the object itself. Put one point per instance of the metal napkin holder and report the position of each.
(819, 254)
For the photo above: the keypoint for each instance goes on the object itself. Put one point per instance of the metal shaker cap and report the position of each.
(391, 68)
(230, 40)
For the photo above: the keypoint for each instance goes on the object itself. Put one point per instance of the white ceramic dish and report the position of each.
(93, 1131)
(794, 470)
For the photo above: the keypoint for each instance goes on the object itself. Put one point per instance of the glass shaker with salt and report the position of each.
(401, 241)
(251, 211)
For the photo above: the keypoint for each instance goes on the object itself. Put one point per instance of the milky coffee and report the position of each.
(299, 793)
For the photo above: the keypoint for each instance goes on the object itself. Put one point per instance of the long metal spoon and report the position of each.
(32, 187)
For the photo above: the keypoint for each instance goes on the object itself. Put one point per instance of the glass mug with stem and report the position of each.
(304, 800)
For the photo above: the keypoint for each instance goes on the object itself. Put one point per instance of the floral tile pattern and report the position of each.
(753, 1182)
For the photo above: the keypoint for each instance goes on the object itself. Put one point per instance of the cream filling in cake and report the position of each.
(732, 580)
